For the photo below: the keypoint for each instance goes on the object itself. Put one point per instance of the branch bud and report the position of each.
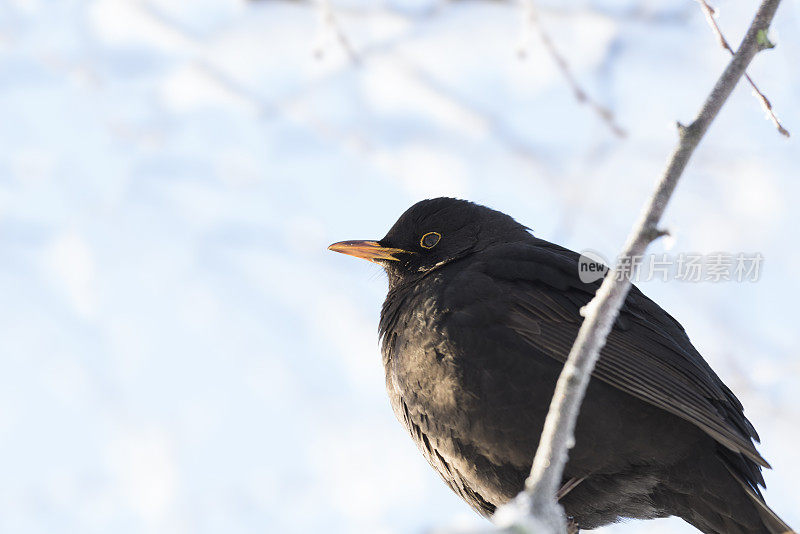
(763, 40)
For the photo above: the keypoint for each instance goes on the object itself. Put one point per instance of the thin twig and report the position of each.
(331, 26)
(710, 13)
(533, 23)
(536, 509)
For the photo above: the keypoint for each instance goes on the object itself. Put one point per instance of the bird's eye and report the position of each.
(430, 239)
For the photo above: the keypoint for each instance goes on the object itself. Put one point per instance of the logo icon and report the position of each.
(592, 266)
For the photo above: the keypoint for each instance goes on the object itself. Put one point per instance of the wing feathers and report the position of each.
(647, 354)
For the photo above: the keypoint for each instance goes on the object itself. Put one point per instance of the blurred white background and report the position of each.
(178, 351)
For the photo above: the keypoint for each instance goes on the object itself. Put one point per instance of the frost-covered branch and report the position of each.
(710, 14)
(536, 509)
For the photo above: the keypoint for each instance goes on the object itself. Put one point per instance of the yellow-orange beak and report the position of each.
(368, 250)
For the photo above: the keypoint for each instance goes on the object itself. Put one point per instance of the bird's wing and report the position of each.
(647, 354)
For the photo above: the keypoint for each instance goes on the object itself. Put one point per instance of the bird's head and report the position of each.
(433, 233)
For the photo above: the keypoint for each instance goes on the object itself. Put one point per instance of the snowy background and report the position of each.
(179, 352)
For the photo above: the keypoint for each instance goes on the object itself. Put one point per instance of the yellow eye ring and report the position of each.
(430, 240)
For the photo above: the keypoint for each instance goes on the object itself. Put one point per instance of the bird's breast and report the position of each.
(444, 372)
(418, 357)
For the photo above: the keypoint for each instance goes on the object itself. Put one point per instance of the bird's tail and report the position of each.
(715, 498)
(771, 522)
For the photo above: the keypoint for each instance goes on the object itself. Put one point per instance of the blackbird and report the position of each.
(478, 321)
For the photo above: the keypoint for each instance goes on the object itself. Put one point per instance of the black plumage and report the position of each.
(478, 321)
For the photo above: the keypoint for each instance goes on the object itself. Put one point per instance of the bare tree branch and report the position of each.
(330, 25)
(710, 13)
(536, 509)
(533, 23)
